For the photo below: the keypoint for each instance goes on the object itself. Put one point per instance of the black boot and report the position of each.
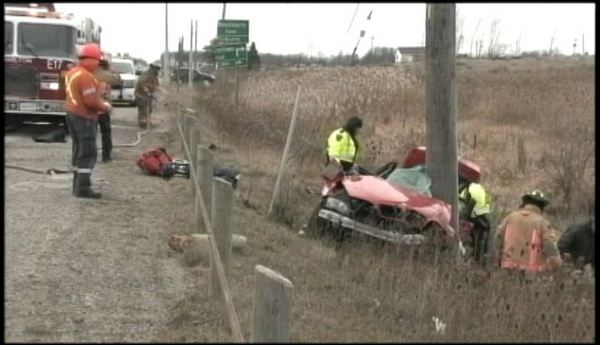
(84, 187)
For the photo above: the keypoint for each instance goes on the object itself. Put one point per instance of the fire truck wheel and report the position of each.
(12, 123)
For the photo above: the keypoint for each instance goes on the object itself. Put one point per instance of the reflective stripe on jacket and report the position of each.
(477, 193)
(82, 96)
(340, 146)
(526, 241)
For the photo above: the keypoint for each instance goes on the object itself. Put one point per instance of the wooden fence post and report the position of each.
(194, 141)
(205, 176)
(521, 155)
(188, 122)
(288, 142)
(272, 307)
(221, 219)
(237, 87)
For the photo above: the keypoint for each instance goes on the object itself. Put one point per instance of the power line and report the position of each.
(354, 16)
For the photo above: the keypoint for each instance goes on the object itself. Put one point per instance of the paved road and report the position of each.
(87, 270)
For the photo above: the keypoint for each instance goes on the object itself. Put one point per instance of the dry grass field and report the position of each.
(529, 123)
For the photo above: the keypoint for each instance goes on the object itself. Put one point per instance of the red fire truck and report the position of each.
(40, 45)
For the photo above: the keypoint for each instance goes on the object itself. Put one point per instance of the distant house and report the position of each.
(409, 54)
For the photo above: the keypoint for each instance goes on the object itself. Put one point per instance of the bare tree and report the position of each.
(518, 46)
(550, 51)
(479, 49)
(460, 21)
(494, 38)
(473, 38)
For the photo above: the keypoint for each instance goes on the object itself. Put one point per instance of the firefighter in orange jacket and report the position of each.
(525, 240)
(83, 104)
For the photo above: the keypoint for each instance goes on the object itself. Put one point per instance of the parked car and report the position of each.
(182, 75)
(124, 92)
(394, 204)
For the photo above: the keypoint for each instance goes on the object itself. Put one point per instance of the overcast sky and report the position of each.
(290, 28)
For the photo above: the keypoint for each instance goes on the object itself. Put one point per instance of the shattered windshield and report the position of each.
(415, 178)
(46, 40)
(8, 37)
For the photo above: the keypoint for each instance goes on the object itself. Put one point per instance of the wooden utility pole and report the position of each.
(221, 74)
(190, 59)
(166, 75)
(582, 44)
(440, 96)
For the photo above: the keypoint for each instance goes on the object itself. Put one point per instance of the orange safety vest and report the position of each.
(81, 85)
(528, 241)
(530, 259)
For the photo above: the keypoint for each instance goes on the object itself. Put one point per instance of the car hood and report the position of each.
(128, 76)
(381, 192)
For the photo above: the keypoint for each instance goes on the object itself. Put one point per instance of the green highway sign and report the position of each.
(232, 32)
(232, 56)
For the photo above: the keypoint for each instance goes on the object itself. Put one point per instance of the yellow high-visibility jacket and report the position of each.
(481, 198)
(341, 147)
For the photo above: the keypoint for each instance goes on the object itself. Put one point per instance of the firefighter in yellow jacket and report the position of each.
(525, 240)
(343, 147)
(475, 208)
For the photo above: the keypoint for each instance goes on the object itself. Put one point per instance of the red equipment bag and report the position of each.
(154, 160)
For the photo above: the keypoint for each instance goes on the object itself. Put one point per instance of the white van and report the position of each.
(124, 92)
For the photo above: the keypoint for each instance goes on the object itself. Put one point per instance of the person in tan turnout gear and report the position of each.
(106, 79)
(525, 240)
(145, 87)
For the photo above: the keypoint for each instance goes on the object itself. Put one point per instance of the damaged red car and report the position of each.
(393, 204)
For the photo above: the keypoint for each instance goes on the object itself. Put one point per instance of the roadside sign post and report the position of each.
(232, 36)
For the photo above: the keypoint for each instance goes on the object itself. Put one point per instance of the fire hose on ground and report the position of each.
(54, 171)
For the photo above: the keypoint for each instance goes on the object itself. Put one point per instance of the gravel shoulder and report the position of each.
(89, 270)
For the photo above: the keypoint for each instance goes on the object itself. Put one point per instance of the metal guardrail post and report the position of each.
(221, 219)
(216, 262)
(272, 307)
(205, 178)
(194, 141)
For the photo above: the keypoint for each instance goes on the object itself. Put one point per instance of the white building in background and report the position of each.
(409, 54)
